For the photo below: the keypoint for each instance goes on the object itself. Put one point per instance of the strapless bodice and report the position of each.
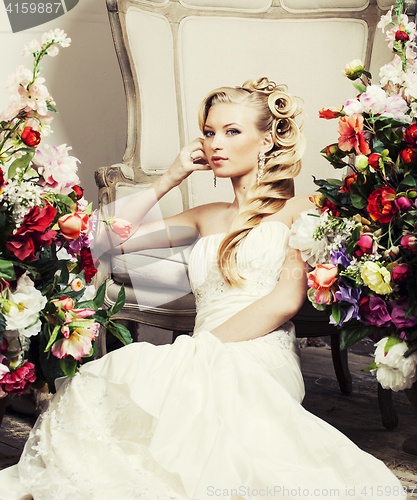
(260, 258)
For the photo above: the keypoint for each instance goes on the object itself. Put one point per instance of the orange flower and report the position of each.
(351, 135)
(329, 113)
(323, 276)
(72, 225)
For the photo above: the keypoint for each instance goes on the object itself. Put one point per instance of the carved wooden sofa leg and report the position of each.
(388, 413)
(340, 363)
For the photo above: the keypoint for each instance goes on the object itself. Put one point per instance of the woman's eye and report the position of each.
(208, 133)
(233, 131)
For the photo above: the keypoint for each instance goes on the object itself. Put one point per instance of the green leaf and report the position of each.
(358, 201)
(407, 183)
(21, 163)
(68, 365)
(7, 270)
(366, 73)
(360, 87)
(120, 332)
(50, 107)
(335, 182)
(87, 304)
(372, 366)
(390, 342)
(352, 333)
(101, 292)
(336, 312)
(52, 338)
(66, 200)
(120, 302)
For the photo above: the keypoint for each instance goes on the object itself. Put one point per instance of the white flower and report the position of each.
(33, 47)
(59, 171)
(394, 371)
(56, 36)
(302, 238)
(21, 197)
(392, 72)
(52, 51)
(385, 20)
(22, 76)
(353, 106)
(31, 302)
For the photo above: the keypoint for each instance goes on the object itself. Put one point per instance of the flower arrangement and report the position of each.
(361, 242)
(50, 312)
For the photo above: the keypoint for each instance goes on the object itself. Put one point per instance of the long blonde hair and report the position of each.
(277, 111)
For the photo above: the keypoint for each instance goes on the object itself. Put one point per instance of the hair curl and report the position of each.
(277, 112)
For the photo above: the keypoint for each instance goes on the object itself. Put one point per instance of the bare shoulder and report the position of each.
(213, 217)
(299, 204)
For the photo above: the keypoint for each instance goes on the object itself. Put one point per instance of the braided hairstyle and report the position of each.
(277, 110)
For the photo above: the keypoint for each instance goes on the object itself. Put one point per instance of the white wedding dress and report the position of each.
(197, 419)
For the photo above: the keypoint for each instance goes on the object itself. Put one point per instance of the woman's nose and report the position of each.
(217, 142)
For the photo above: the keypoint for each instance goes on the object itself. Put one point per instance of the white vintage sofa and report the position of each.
(171, 53)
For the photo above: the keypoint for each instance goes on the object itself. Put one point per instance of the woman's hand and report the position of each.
(190, 158)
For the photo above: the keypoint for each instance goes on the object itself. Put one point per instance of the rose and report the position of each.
(79, 191)
(71, 225)
(403, 203)
(401, 36)
(348, 180)
(30, 136)
(323, 276)
(18, 381)
(394, 371)
(376, 313)
(329, 113)
(380, 204)
(22, 248)
(330, 207)
(376, 277)
(77, 285)
(121, 227)
(408, 155)
(353, 69)
(409, 242)
(361, 162)
(65, 302)
(410, 135)
(401, 272)
(365, 244)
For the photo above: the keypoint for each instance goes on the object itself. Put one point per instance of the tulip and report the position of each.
(403, 203)
(373, 160)
(121, 227)
(66, 303)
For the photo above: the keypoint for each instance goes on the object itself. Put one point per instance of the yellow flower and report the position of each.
(377, 277)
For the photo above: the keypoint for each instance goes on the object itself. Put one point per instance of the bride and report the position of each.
(218, 414)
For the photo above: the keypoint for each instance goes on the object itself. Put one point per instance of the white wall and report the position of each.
(85, 82)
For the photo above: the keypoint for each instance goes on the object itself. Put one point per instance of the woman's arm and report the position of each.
(271, 311)
(155, 234)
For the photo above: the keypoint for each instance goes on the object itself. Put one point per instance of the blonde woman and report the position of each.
(216, 414)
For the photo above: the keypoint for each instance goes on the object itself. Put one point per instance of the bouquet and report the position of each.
(361, 241)
(50, 312)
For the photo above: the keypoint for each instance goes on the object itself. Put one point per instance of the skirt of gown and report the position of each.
(197, 419)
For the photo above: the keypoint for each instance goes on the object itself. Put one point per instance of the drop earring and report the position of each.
(261, 166)
(214, 180)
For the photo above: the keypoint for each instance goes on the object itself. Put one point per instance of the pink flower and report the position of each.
(120, 226)
(398, 309)
(57, 168)
(401, 272)
(17, 382)
(365, 244)
(66, 303)
(77, 285)
(323, 276)
(403, 203)
(351, 135)
(377, 313)
(409, 242)
(77, 344)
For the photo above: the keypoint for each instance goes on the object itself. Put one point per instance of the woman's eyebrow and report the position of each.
(224, 126)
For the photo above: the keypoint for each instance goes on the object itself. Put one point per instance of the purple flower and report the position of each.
(378, 313)
(350, 295)
(339, 257)
(398, 308)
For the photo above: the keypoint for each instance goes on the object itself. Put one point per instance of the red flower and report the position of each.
(401, 272)
(410, 135)
(401, 36)
(87, 264)
(349, 179)
(79, 191)
(351, 135)
(1, 178)
(408, 155)
(331, 207)
(30, 136)
(22, 247)
(37, 220)
(381, 206)
(329, 113)
(409, 242)
(373, 160)
(18, 381)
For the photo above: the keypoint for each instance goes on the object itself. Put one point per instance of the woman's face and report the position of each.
(232, 141)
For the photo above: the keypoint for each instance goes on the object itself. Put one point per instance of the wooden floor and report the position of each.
(356, 415)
